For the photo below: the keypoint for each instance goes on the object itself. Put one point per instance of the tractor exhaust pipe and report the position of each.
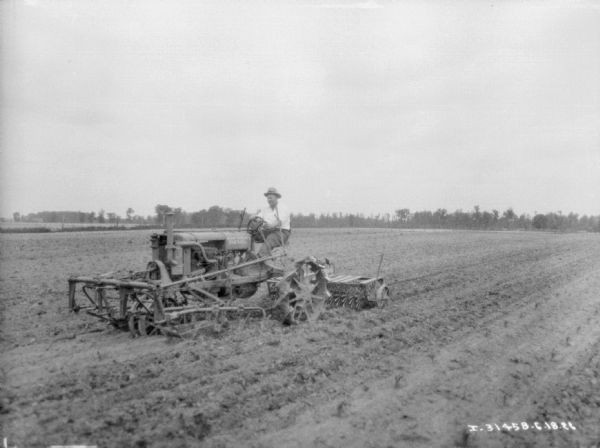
(170, 222)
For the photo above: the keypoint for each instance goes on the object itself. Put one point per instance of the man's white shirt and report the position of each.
(273, 216)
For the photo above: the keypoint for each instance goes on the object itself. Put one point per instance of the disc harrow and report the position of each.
(357, 292)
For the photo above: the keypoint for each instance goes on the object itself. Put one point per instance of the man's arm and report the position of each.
(264, 215)
(283, 218)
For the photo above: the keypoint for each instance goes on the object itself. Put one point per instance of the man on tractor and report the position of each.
(276, 227)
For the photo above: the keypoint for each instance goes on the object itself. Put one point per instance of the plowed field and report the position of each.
(484, 328)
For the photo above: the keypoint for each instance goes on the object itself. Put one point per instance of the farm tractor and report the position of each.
(211, 276)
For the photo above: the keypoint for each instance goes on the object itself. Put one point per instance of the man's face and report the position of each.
(272, 200)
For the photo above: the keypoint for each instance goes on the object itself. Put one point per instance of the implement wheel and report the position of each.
(142, 325)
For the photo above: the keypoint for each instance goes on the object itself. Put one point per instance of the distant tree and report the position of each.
(129, 213)
(477, 215)
(551, 221)
(232, 217)
(524, 221)
(16, 217)
(460, 219)
(198, 218)
(557, 221)
(403, 215)
(509, 216)
(422, 219)
(178, 215)
(540, 221)
(496, 214)
(160, 210)
(573, 220)
(351, 219)
(440, 216)
(101, 219)
(487, 219)
(215, 217)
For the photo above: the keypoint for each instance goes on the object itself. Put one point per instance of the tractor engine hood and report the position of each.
(231, 240)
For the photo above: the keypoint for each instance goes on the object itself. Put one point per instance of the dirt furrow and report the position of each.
(425, 402)
(493, 326)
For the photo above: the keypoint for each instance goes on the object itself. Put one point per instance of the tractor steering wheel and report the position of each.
(255, 229)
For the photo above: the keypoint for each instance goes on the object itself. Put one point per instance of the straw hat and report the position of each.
(273, 190)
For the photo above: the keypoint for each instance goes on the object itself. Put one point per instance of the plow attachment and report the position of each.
(149, 302)
(144, 309)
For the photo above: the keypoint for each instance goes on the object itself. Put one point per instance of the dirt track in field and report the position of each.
(493, 328)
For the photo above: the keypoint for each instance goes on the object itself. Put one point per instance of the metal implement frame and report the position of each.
(142, 300)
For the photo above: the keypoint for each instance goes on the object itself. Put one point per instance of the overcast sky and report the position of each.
(348, 106)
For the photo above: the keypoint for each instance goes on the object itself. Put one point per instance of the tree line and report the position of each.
(221, 217)
(475, 219)
(100, 217)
